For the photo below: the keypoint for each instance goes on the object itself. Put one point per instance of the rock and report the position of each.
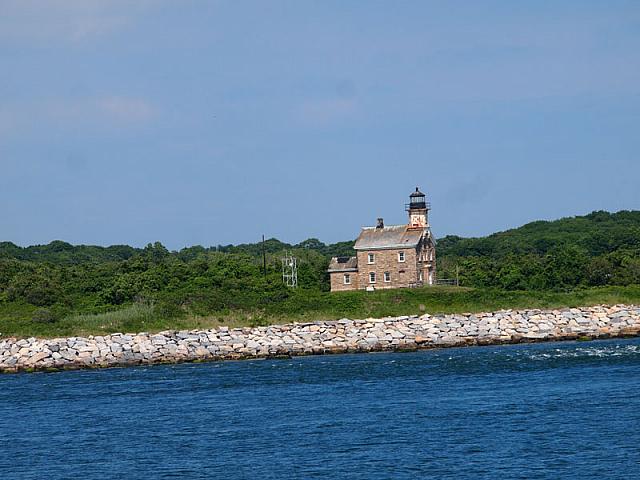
(202, 352)
(505, 326)
(37, 357)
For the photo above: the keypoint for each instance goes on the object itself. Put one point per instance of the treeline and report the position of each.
(593, 250)
(63, 253)
(597, 249)
(65, 278)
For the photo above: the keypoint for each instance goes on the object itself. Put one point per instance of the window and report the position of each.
(371, 258)
(372, 277)
(387, 277)
(347, 279)
(401, 256)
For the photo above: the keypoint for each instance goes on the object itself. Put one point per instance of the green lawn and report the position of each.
(17, 319)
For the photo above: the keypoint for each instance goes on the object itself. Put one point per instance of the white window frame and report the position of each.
(371, 258)
(387, 277)
(346, 279)
(401, 257)
(372, 277)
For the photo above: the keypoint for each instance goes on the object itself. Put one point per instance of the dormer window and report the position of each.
(371, 258)
(401, 257)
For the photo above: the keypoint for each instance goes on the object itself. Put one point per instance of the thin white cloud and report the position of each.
(326, 111)
(113, 112)
(65, 20)
(111, 109)
(127, 109)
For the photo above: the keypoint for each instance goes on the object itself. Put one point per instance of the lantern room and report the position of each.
(417, 200)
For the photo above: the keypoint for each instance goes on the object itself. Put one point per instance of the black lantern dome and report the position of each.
(417, 200)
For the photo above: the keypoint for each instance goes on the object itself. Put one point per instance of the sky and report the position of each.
(214, 122)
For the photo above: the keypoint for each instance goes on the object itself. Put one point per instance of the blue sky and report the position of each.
(212, 122)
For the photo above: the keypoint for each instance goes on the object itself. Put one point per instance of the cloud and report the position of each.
(325, 111)
(111, 109)
(106, 112)
(127, 109)
(66, 20)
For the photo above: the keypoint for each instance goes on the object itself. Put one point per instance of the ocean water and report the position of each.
(544, 411)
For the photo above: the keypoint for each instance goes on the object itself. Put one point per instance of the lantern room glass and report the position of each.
(418, 200)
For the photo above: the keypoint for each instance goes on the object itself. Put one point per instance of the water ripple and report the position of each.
(542, 411)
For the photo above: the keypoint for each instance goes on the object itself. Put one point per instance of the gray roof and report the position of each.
(343, 264)
(394, 236)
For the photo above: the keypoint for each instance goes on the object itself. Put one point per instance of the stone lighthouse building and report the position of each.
(390, 256)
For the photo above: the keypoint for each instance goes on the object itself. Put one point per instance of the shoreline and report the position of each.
(403, 333)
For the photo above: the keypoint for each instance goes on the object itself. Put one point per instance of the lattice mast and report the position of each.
(289, 270)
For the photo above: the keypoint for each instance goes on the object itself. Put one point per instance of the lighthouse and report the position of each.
(390, 256)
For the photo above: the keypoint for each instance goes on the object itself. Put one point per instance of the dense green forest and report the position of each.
(593, 250)
(50, 284)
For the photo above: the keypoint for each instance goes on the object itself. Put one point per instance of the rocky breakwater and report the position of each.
(395, 333)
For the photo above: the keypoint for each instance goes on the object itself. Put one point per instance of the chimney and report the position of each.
(380, 223)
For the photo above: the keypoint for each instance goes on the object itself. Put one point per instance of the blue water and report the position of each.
(562, 410)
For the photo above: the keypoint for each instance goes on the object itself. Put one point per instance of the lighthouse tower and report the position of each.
(418, 209)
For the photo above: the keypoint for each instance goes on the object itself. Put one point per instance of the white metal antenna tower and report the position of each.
(290, 270)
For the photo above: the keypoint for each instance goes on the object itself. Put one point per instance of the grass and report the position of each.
(17, 319)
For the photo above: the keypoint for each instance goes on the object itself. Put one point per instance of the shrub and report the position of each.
(43, 315)
(167, 309)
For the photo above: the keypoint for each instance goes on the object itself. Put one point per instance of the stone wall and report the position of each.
(403, 274)
(397, 333)
(337, 281)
